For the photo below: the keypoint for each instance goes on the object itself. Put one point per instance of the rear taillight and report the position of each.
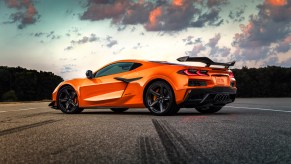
(231, 75)
(193, 72)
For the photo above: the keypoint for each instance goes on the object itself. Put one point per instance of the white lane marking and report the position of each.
(266, 109)
(284, 106)
(24, 109)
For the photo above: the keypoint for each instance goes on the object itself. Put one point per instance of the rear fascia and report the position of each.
(206, 91)
(209, 96)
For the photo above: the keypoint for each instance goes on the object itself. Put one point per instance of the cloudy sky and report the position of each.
(68, 37)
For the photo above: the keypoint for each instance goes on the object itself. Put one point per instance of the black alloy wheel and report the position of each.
(209, 109)
(68, 100)
(160, 99)
(118, 110)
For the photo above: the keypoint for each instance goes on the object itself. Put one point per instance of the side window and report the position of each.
(114, 69)
(135, 65)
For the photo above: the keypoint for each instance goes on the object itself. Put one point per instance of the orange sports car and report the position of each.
(162, 87)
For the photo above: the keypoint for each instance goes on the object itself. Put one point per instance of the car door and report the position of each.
(104, 89)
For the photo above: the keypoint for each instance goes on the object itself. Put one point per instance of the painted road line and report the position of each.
(283, 106)
(28, 109)
(23, 109)
(265, 109)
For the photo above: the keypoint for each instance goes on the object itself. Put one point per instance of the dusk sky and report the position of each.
(68, 37)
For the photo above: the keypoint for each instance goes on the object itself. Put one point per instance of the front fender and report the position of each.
(73, 83)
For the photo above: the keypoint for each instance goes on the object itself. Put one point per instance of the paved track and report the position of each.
(247, 131)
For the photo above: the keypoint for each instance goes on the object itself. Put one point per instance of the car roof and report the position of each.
(146, 61)
(130, 60)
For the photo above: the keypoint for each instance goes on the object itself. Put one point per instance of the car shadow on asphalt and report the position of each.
(145, 113)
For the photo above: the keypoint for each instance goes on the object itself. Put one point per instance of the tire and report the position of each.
(68, 101)
(159, 98)
(119, 110)
(209, 109)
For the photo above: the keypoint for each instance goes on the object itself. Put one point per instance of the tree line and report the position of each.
(20, 84)
(271, 81)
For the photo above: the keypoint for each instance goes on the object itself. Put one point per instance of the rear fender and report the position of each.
(178, 93)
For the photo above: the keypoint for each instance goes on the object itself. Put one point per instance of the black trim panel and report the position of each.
(127, 80)
(53, 105)
(209, 96)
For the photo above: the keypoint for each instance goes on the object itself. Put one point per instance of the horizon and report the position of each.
(78, 36)
(84, 76)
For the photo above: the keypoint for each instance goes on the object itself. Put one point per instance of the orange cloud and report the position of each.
(31, 11)
(154, 15)
(99, 11)
(13, 3)
(178, 2)
(157, 15)
(26, 2)
(26, 14)
(277, 2)
(247, 29)
(288, 40)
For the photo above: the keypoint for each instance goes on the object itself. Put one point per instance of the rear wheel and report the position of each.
(68, 101)
(118, 110)
(208, 109)
(160, 100)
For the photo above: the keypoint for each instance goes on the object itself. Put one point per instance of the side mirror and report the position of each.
(89, 74)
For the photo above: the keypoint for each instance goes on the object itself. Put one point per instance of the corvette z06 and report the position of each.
(162, 87)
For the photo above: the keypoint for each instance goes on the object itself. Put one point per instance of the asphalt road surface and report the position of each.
(247, 131)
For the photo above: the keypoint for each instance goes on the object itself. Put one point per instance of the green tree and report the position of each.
(26, 85)
(9, 96)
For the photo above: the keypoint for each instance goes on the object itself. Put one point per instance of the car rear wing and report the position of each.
(205, 60)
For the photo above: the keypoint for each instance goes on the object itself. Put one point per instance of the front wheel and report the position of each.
(208, 109)
(118, 110)
(68, 101)
(160, 100)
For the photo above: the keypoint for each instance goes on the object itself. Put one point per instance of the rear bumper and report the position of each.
(53, 105)
(209, 96)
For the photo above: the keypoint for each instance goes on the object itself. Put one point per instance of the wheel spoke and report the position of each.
(154, 93)
(64, 100)
(67, 93)
(161, 106)
(72, 103)
(167, 98)
(67, 105)
(73, 95)
(154, 103)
